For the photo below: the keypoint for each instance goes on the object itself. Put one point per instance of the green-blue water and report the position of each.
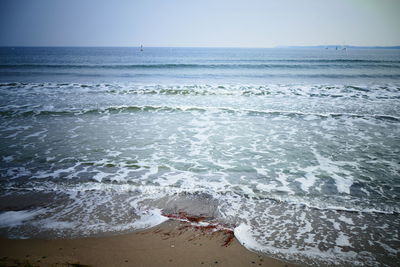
(297, 149)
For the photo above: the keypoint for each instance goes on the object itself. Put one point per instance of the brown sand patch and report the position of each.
(173, 243)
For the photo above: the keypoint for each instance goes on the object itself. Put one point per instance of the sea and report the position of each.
(295, 149)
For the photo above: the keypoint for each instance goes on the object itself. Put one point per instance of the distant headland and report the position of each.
(342, 46)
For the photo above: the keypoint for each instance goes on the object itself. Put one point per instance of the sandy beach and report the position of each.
(172, 243)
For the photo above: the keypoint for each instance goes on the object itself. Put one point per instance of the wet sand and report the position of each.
(172, 243)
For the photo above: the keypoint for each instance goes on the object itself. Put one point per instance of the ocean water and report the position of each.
(297, 150)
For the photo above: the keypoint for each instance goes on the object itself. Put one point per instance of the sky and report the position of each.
(200, 23)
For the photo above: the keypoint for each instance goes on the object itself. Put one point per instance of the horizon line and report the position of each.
(235, 47)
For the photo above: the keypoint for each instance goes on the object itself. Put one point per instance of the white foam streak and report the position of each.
(149, 218)
(15, 218)
(245, 237)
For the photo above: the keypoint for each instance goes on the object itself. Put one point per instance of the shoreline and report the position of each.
(172, 243)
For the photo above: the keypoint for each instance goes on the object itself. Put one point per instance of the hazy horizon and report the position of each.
(247, 24)
(221, 47)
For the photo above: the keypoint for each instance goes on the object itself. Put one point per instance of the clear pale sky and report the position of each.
(212, 23)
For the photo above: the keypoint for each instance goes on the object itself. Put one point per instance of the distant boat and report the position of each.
(141, 48)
